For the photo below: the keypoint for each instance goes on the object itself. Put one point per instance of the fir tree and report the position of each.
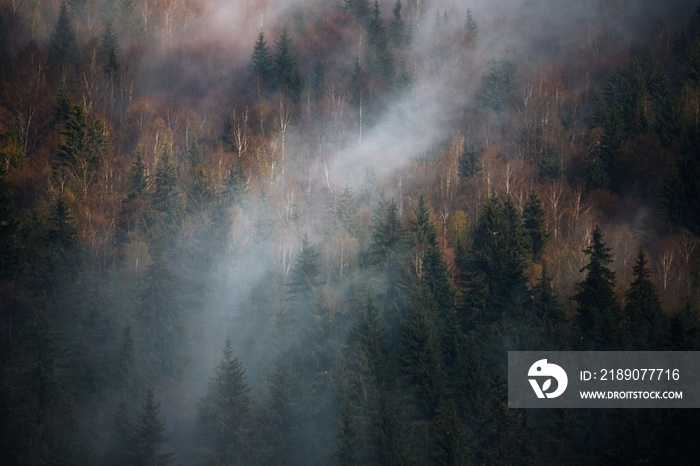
(262, 65)
(63, 50)
(109, 51)
(534, 220)
(137, 181)
(224, 413)
(469, 164)
(303, 277)
(598, 315)
(158, 315)
(149, 435)
(286, 69)
(471, 27)
(643, 312)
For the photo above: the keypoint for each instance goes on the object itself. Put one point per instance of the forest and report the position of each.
(261, 232)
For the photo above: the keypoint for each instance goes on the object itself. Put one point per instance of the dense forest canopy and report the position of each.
(268, 232)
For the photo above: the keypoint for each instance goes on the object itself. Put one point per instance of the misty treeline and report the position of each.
(312, 237)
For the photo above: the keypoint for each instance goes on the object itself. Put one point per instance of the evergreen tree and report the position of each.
(503, 436)
(286, 69)
(149, 435)
(361, 9)
(493, 273)
(348, 442)
(10, 246)
(549, 314)
(645, 318)
(84, 142)
(225, 413)
(469, 164)
(109, 51)
(498, 85)
(63, 50)
(138, 180)
(262, 65)
(451, 442)
(158, 320)
(166, 199)
(598, 315)
(534, 220)
(235, 184)
(303, 278)
(471, 27)
(397, 28)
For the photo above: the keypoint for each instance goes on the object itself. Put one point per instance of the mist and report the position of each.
(218, 204)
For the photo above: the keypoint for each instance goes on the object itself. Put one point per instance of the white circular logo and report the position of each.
(545, 371)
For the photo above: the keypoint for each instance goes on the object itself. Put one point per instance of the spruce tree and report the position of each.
(63, 50)
(109, 51)
(303, 278)
(262, 65)
(158, 315)
(149, 435)
(645, 318)
(286, 68)
(598, 315)
(469, 164)
(225, 413)
(534, 220)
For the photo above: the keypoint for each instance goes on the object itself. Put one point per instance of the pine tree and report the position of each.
(548, 314)
(63, 50)
(138, 180)
(303, 278)
(471, 27)
(225, 413)
(397, 28)
(109, 51)
(494, 271)
(469, 164)
(534, 220)
(149, 435)
(286, 68)
(158, 316)
(645, 318)
(262, 65)
(598, 315)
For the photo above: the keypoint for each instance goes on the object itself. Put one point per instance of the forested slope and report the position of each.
(267, 232)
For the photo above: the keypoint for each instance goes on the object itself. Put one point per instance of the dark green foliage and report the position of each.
(84, 143)
(62, 107)
(397, 28)
(199, 193)
(262, 65)
(680, 194)
(137, 178)
(149, 435)
(381, 59)
(534, 221)
(348, 441)
(303, 278)
(235, 184)
(493, 272)
(471, 27)
(548, 315)
(166, 199)
(63, 50)
(469, 163)
(361, 9)
(286, 68)
(598, 314)
(61, 232)
(224, 413)
(10, 246)
(358, 86)
(157, 315)
(109, 51)
(498, 86)
(451, 441)
(503, 436)
(42, 425)
(422, 360)
(646, 322)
